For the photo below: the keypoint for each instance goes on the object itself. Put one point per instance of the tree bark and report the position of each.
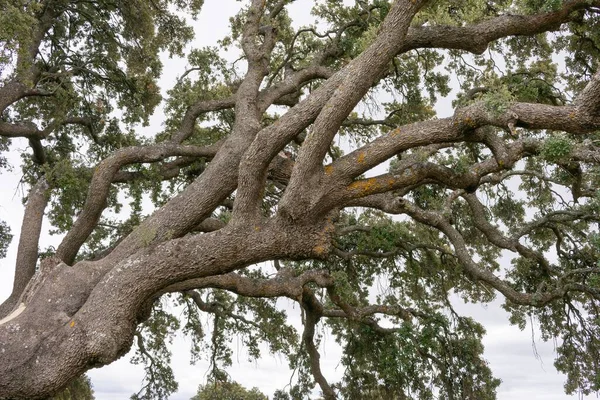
(79, 318)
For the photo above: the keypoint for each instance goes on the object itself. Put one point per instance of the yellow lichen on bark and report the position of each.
(364, 186)
(320, 250)
(469, 122)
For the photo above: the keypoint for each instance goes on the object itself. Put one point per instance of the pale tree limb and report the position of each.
(270, 141)
(267, 97)
(292, 83)
(201, 197)
(27, 253)
(465, 122)
(186, 128)
(414, 174)
(210, 225)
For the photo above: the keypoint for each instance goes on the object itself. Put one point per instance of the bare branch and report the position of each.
(560, 216)
(284, 284)
(435, 220)
(216, 309)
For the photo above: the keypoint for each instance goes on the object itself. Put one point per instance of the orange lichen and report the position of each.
(320, 250)
(328, 169)
(361, 157)
(72, 324)
(364, 186)
(256, 228)
(469, 121)
(395, 132)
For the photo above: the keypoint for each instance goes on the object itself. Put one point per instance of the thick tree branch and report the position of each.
(464, 123)
(27, 253)
(292, 83)
(271, 140)
(96, 322)
(414, 174)
(210, 225)
(102, 180)
(476, 37)
(363, 72)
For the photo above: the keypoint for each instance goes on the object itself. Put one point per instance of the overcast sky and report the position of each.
(519, 358)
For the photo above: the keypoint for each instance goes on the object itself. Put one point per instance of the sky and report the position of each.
(520, 359)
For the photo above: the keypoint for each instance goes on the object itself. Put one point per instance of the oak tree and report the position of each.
(311, 168)
(227, 391)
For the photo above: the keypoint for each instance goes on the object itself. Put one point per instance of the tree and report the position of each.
(78, 389)
(271, 159)
(227, 391)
